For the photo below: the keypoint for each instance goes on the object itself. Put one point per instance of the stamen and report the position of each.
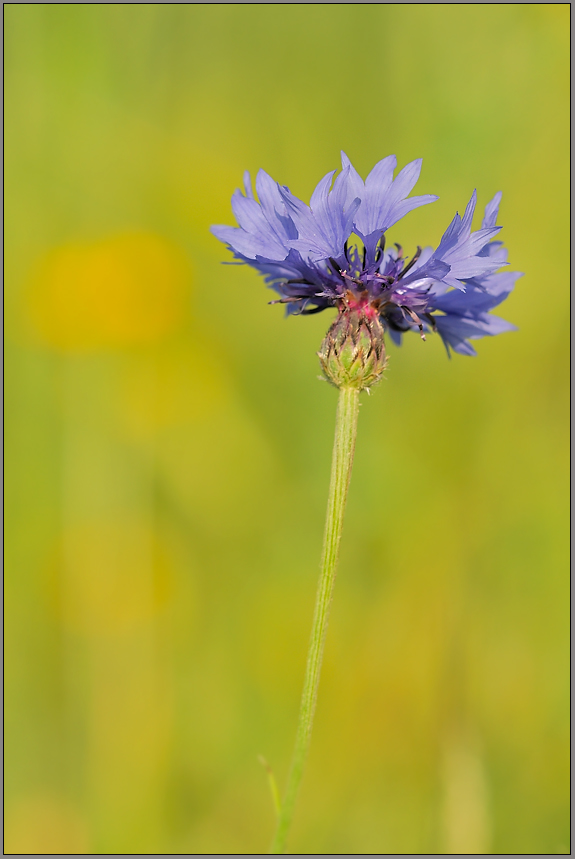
(335, 266)
(287, 300)
(411, 263)
(381, 242)
(415, 319)
(353, 279)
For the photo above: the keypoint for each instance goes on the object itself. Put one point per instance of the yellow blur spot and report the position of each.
(39, 825)
(125, 291)
(110, 576)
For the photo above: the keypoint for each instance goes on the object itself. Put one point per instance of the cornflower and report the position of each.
(333, 253)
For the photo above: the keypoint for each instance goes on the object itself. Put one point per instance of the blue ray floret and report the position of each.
(305, 254)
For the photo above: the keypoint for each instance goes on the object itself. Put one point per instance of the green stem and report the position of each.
(343, 450)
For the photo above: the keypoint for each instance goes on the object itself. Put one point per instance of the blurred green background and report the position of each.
(168, 442)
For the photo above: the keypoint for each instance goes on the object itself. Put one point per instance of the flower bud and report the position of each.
(352, 354)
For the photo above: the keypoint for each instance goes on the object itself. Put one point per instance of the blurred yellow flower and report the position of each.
(126, 290)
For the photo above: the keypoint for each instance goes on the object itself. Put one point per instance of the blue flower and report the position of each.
(305, 254)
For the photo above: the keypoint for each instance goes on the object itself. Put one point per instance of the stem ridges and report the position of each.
(343, 451)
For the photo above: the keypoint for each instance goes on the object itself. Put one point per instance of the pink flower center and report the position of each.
(362, 304)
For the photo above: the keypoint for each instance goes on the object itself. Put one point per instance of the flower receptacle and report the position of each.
(352, 354)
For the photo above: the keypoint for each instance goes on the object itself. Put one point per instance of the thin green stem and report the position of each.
(343, 450)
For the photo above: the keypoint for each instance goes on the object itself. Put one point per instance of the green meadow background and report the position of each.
(168, 442)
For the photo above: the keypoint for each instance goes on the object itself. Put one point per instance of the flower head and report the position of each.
(305, 254)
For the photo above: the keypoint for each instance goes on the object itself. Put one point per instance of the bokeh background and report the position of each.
(168, 441)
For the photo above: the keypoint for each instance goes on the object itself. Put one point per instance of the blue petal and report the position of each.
(396, 336)
(325, 225)
(383, 203)
(491, 211)
(248, 185)
(454, 335)
(248, 214)
(406, 179)
(247, 244)
(456, 330)
(434, 269)
(274, 208)
(355, 186)
(480, 295)
(464, 251)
